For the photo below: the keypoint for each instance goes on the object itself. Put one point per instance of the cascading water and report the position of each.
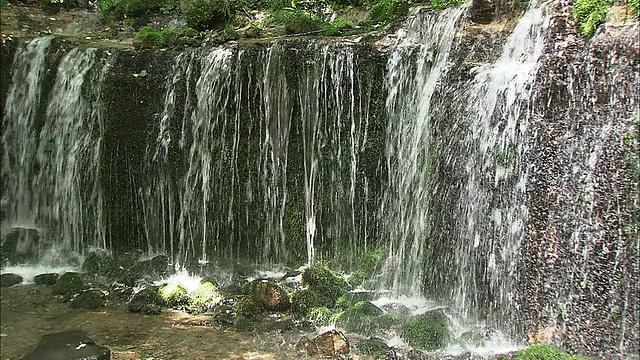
(456, 203)
(240, 159)
(52, 150)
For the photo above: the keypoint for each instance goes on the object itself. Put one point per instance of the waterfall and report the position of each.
(238, 132)
(52, 149)
(456, 201)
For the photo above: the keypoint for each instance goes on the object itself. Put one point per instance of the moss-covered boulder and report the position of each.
(204, 298)
(428, 331)
(46, 279)
(320, 316)
(9, 279)
(373, 347)
(304, 300)
(69, 284)
(326, 284)
(174, 295)
(270, 295)
(146, 301)
(92, 299)
(247, 307)
(360, 318)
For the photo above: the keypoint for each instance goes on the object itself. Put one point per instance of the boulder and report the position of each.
(271, 295)
(304, 300)
(174, 295)
(330, 343)
(360, 318)
(429, 331)
(68, 284)
(153, 269)
(67, 345)
(374, 347)
(327, 285)
(89, 299)
(146, 301)
(10, 279)
(46, 279)
(204, 298)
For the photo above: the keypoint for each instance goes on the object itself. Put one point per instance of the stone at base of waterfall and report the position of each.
(89, 299)
(73, 344)
(46, 279)
(9, 279)
(330, 343)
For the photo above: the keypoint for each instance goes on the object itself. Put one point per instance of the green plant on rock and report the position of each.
(546, 352)
(301, 22)
(369, 264)
(387, 11)
(443, 4)
(589, 14)
(209, 14)
(204, 298)
(320, 316)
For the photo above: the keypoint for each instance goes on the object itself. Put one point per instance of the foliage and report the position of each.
(209, 14)
(634, 7)
(300, 22)
(443, 4)
(589, 14)
(546, 352)
(320, 316)
(387, 11)
(339, 26)
(304, 300)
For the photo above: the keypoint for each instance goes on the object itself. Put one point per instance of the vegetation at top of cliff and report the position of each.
(589, 14)
(387, 11)
(634, 7)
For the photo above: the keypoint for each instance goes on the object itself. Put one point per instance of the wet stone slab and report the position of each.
(68, 345)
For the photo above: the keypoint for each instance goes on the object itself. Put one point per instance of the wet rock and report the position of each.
(97, 263)
(415, 354)
(154, 268)
(482, 11)
(396, 308)
(146, 301)
(174, 295)
(330, 343)
(360, 318)
(472, 338)
(67, 345)
(89, 299)
(469, 356)
(428, 331)
(10, 279)
(20, 245)
(247, 307)
(224, 313)
(327, 285)
(374, 347)
(204, 298)
(46, 279)
(68, 284)
(271, 295)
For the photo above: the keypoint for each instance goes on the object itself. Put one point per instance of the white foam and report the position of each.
(417, 305)
(28, 272)
(182, 277)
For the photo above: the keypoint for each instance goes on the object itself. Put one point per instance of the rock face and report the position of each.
(7, 280)
(330, 343)
(67, 345)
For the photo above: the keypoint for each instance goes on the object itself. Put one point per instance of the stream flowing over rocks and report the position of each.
(482, 159)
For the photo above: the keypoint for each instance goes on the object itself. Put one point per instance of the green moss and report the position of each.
(174, 295)
(546, 352)
(429, 331)
(368, 265)
(327, 285)
(246, 306)
(361, 318)
(304, 300)
(373, 347)
(320, 316)
(301, 22)
(387, 11)
(268, 294)
(209, 14)
(204, 298)
(443, 4)
(589, 14)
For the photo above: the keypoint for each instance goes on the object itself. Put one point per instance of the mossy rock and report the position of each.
(204, 298)
(174, 295)
(320, 316)
(367, 267)
(147, 301)
(46, 279)
(9, 279)
(92, 299)
(429, 331)
(373, 347)
(69, 284)
(360, 318)
(304, 300)
(246, 307)
(327, 285)
(270, 295)
(545, 352)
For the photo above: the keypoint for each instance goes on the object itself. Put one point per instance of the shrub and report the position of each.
(301, 22)
(151, 37)
(589, 14)
(387, 11)
(209, 14)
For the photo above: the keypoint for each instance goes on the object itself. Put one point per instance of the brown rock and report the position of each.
(330, 343)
